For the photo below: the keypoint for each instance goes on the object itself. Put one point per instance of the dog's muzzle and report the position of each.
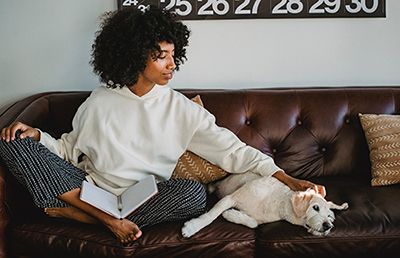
(326, 227)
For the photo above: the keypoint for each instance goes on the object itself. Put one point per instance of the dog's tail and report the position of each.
(211, 187)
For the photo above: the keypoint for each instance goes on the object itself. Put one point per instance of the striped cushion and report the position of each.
(383, 136)
(191, 166)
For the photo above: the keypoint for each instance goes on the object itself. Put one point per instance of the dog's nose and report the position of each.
(326, 226)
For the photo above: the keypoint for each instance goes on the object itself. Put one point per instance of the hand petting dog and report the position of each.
(298, 184)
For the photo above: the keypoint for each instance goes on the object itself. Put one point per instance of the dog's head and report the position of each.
(315, 211)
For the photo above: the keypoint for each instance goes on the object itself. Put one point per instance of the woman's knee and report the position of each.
(197, 194)
(16, 147)
(188, 192)
(198, 190)
(191, 187)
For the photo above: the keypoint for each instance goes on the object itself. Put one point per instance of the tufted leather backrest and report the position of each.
(309, 132)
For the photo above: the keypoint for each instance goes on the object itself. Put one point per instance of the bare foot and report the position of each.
(71, 212)
(125, 230)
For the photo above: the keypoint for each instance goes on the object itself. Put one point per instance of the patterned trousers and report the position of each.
(47, 176)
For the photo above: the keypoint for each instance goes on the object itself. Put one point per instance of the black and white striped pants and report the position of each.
(47, 176)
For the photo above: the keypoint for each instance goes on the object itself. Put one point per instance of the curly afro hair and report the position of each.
(127, 38)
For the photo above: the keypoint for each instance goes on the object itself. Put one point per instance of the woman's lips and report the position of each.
(168, 76)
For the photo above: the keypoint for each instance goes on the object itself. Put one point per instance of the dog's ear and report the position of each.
(344, 206)
(301, 201)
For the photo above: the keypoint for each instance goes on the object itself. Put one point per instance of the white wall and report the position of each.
(45, 45)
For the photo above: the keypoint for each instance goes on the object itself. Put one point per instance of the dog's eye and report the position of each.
(316, 208)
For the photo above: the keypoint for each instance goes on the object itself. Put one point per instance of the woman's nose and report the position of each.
(171, 63)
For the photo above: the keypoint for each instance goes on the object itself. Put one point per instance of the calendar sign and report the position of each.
(251, 9)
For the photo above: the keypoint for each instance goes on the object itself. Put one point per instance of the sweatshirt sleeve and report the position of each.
(222, 147)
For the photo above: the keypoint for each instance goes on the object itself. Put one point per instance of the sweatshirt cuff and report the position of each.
(269, 169)
(48, 141)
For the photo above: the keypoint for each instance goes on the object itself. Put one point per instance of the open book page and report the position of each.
(100, 199)
(130, 199)
(135, 196)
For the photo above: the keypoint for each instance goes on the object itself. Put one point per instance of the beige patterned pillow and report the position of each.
(192, 166)
(383, 137)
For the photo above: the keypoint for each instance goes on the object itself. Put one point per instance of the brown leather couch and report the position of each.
(312, 133)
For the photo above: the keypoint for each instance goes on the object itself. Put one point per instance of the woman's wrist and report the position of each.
(293, 183)
(37, 136)
(282, 176)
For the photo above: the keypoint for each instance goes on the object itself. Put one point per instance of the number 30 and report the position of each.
(361, 4)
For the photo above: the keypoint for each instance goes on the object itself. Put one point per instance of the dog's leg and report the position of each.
(344, 206)
(239, 217)
(193, 226)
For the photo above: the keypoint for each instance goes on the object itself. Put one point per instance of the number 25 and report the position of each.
(178, 3)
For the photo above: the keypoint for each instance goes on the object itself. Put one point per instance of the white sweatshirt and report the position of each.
(125, 137)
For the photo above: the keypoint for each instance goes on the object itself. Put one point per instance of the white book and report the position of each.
(122, 205)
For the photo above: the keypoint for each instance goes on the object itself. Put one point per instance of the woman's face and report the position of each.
(161, 70)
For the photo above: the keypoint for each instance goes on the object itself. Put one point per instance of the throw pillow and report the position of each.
(191, 166)
(383, 137)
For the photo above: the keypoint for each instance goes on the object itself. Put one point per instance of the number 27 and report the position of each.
(240, 8)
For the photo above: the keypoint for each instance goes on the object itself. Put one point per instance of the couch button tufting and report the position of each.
(273, 150)
(248, 122)
(323, 149)
(299, 122)
(347, 120)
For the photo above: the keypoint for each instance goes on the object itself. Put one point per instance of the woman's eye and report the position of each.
(316, 208)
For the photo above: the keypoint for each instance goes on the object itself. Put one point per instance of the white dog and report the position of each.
(251, 200)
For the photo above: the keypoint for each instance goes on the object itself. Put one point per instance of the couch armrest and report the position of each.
(11, 113)
(51, 112)
(4, 210)
(19, 111)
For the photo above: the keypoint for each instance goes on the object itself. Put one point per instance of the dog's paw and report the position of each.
(190, 228)
(344, 206)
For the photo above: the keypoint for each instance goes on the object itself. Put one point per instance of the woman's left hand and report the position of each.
(302, 185)
(299, 184)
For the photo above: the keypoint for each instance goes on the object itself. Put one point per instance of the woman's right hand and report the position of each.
(8, 133)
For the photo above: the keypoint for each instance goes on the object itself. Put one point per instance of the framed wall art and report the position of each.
(256, 9)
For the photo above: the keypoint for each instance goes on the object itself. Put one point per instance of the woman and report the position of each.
(133, 127)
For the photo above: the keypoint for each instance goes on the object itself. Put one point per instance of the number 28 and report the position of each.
(292, 6)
